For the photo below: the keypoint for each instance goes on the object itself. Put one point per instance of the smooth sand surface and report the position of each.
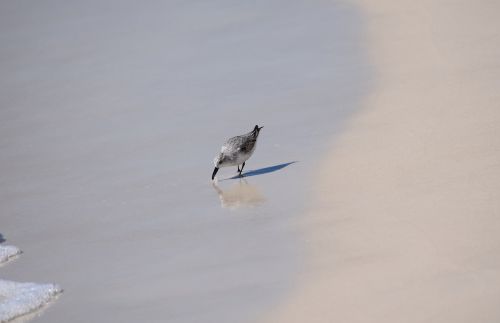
(110, 115)
(405, 225)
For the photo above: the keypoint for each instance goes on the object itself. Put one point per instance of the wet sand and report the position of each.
(111, 114)
(405, 222)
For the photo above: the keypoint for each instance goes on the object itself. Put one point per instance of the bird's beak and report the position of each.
(261, 127)
(216, 169)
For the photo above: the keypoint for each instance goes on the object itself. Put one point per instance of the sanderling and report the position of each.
(236, 151)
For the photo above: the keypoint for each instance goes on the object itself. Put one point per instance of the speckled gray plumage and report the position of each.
(243, 144)
(237, 150)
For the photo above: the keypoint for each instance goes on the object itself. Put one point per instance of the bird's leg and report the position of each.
(239, 169)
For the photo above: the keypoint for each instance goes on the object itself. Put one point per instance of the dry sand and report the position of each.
(405, 224)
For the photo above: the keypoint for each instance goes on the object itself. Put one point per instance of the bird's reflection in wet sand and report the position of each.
(241, 194)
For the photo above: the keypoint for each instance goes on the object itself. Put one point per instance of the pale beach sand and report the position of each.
(7, 253)
(110, 115)
(405, 222)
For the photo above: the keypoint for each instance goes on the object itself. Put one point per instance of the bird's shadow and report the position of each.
(262, 171)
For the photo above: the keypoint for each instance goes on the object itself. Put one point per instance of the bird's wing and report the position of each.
(248, 144)
(239, 143)
(234, 142)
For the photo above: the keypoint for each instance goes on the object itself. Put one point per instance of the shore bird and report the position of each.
(236, 151)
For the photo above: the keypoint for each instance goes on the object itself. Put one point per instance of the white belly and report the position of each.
(237, 158)
(243, 158)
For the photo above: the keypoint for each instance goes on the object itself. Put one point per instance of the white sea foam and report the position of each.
(7, 252)
(17, 299)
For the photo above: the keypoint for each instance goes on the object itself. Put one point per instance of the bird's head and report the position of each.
(219, 160)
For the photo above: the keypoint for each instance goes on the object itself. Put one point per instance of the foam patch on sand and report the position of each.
(18, 299)
(7, 252)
